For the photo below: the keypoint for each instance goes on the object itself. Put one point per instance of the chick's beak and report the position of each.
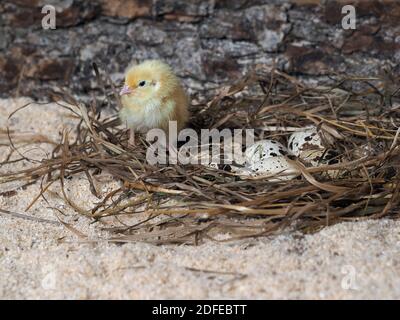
(125, 90)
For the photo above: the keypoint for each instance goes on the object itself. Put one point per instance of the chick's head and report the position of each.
(149, 80)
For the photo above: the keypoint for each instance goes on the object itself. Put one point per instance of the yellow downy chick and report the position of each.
(152, 96)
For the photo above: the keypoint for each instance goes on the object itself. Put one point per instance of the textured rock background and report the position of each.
(208, 42)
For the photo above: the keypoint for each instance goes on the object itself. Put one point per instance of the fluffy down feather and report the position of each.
(152, 95)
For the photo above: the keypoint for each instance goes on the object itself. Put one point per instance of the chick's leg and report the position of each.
(131, 141)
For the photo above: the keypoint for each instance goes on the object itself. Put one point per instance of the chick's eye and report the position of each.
(142, 83)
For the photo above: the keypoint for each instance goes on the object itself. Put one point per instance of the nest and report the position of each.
(188, 203)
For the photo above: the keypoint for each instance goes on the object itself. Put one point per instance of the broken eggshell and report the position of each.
(205, 158)
(264, 148)
(267, 157)
(277, 167)
(307, 139)
(307, 146)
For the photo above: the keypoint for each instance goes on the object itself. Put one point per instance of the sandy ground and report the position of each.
(41, 259)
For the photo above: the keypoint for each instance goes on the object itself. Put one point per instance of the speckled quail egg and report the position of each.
(264, 148)
(307, 146)
(267, 157)
(307, 139)
(277, 167)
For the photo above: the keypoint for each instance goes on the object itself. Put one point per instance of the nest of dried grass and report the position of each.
(185, 204)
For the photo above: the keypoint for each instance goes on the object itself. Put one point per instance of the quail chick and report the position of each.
(151, 97)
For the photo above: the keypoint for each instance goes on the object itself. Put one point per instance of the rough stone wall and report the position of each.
(208, 42)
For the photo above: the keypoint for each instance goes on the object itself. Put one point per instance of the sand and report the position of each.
(41, 259)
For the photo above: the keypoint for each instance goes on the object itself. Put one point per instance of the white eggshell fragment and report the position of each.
(241, 171)
(307, 146)
(308, 139)
(205, 158)
(264, 149)
(277, 167)
(267, 158)
(312, 156)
